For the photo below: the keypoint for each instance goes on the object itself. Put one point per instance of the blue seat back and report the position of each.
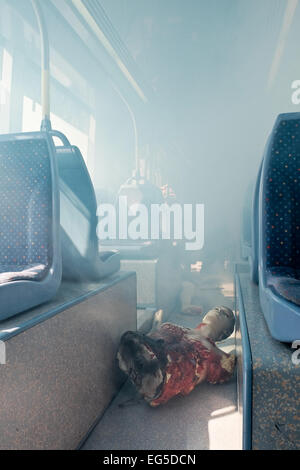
(30, 257)
(279, 230)
(25, 203)
(281, 195)
(253, 258)
(246, 240)
(78, 207)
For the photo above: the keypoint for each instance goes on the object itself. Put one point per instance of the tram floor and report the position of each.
(206, 419)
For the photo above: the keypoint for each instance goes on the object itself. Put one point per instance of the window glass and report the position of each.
(31, 121)
(6, 65)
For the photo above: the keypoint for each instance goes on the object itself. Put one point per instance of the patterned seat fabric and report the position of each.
(25, 210)
(282, 212)
(247, 216)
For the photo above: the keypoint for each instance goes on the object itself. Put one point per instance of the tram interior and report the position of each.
(167, 102)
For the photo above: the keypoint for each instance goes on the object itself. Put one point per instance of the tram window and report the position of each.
(72, 95)
(6, 65)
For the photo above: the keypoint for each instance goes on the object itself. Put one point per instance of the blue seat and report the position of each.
(81, 259)
(253, 255)
(279, 230)
(246, 242)
(30, 260)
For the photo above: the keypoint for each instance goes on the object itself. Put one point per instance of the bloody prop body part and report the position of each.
(172, 360)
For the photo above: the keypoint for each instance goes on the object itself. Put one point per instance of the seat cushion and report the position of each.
(133, 249)
(34, 272)
(285, 281)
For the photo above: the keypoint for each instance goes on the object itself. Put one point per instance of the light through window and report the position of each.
(5, 90)
(32, 115)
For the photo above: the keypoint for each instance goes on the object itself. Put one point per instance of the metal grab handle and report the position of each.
(62, 137)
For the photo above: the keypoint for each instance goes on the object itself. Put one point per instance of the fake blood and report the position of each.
(190, 361)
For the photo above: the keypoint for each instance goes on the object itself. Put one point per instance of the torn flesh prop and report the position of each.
(172, 360)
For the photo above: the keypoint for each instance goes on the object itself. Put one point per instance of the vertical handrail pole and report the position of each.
(45, 66)
(136, 141)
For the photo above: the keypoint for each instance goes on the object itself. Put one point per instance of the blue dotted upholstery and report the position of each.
(247, 219)
(30, 254)
(281, 209)
(25, 210)
(81, 259)
(253, 257)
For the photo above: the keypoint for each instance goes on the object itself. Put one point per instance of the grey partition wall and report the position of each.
(270, 380)
(60, 371)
